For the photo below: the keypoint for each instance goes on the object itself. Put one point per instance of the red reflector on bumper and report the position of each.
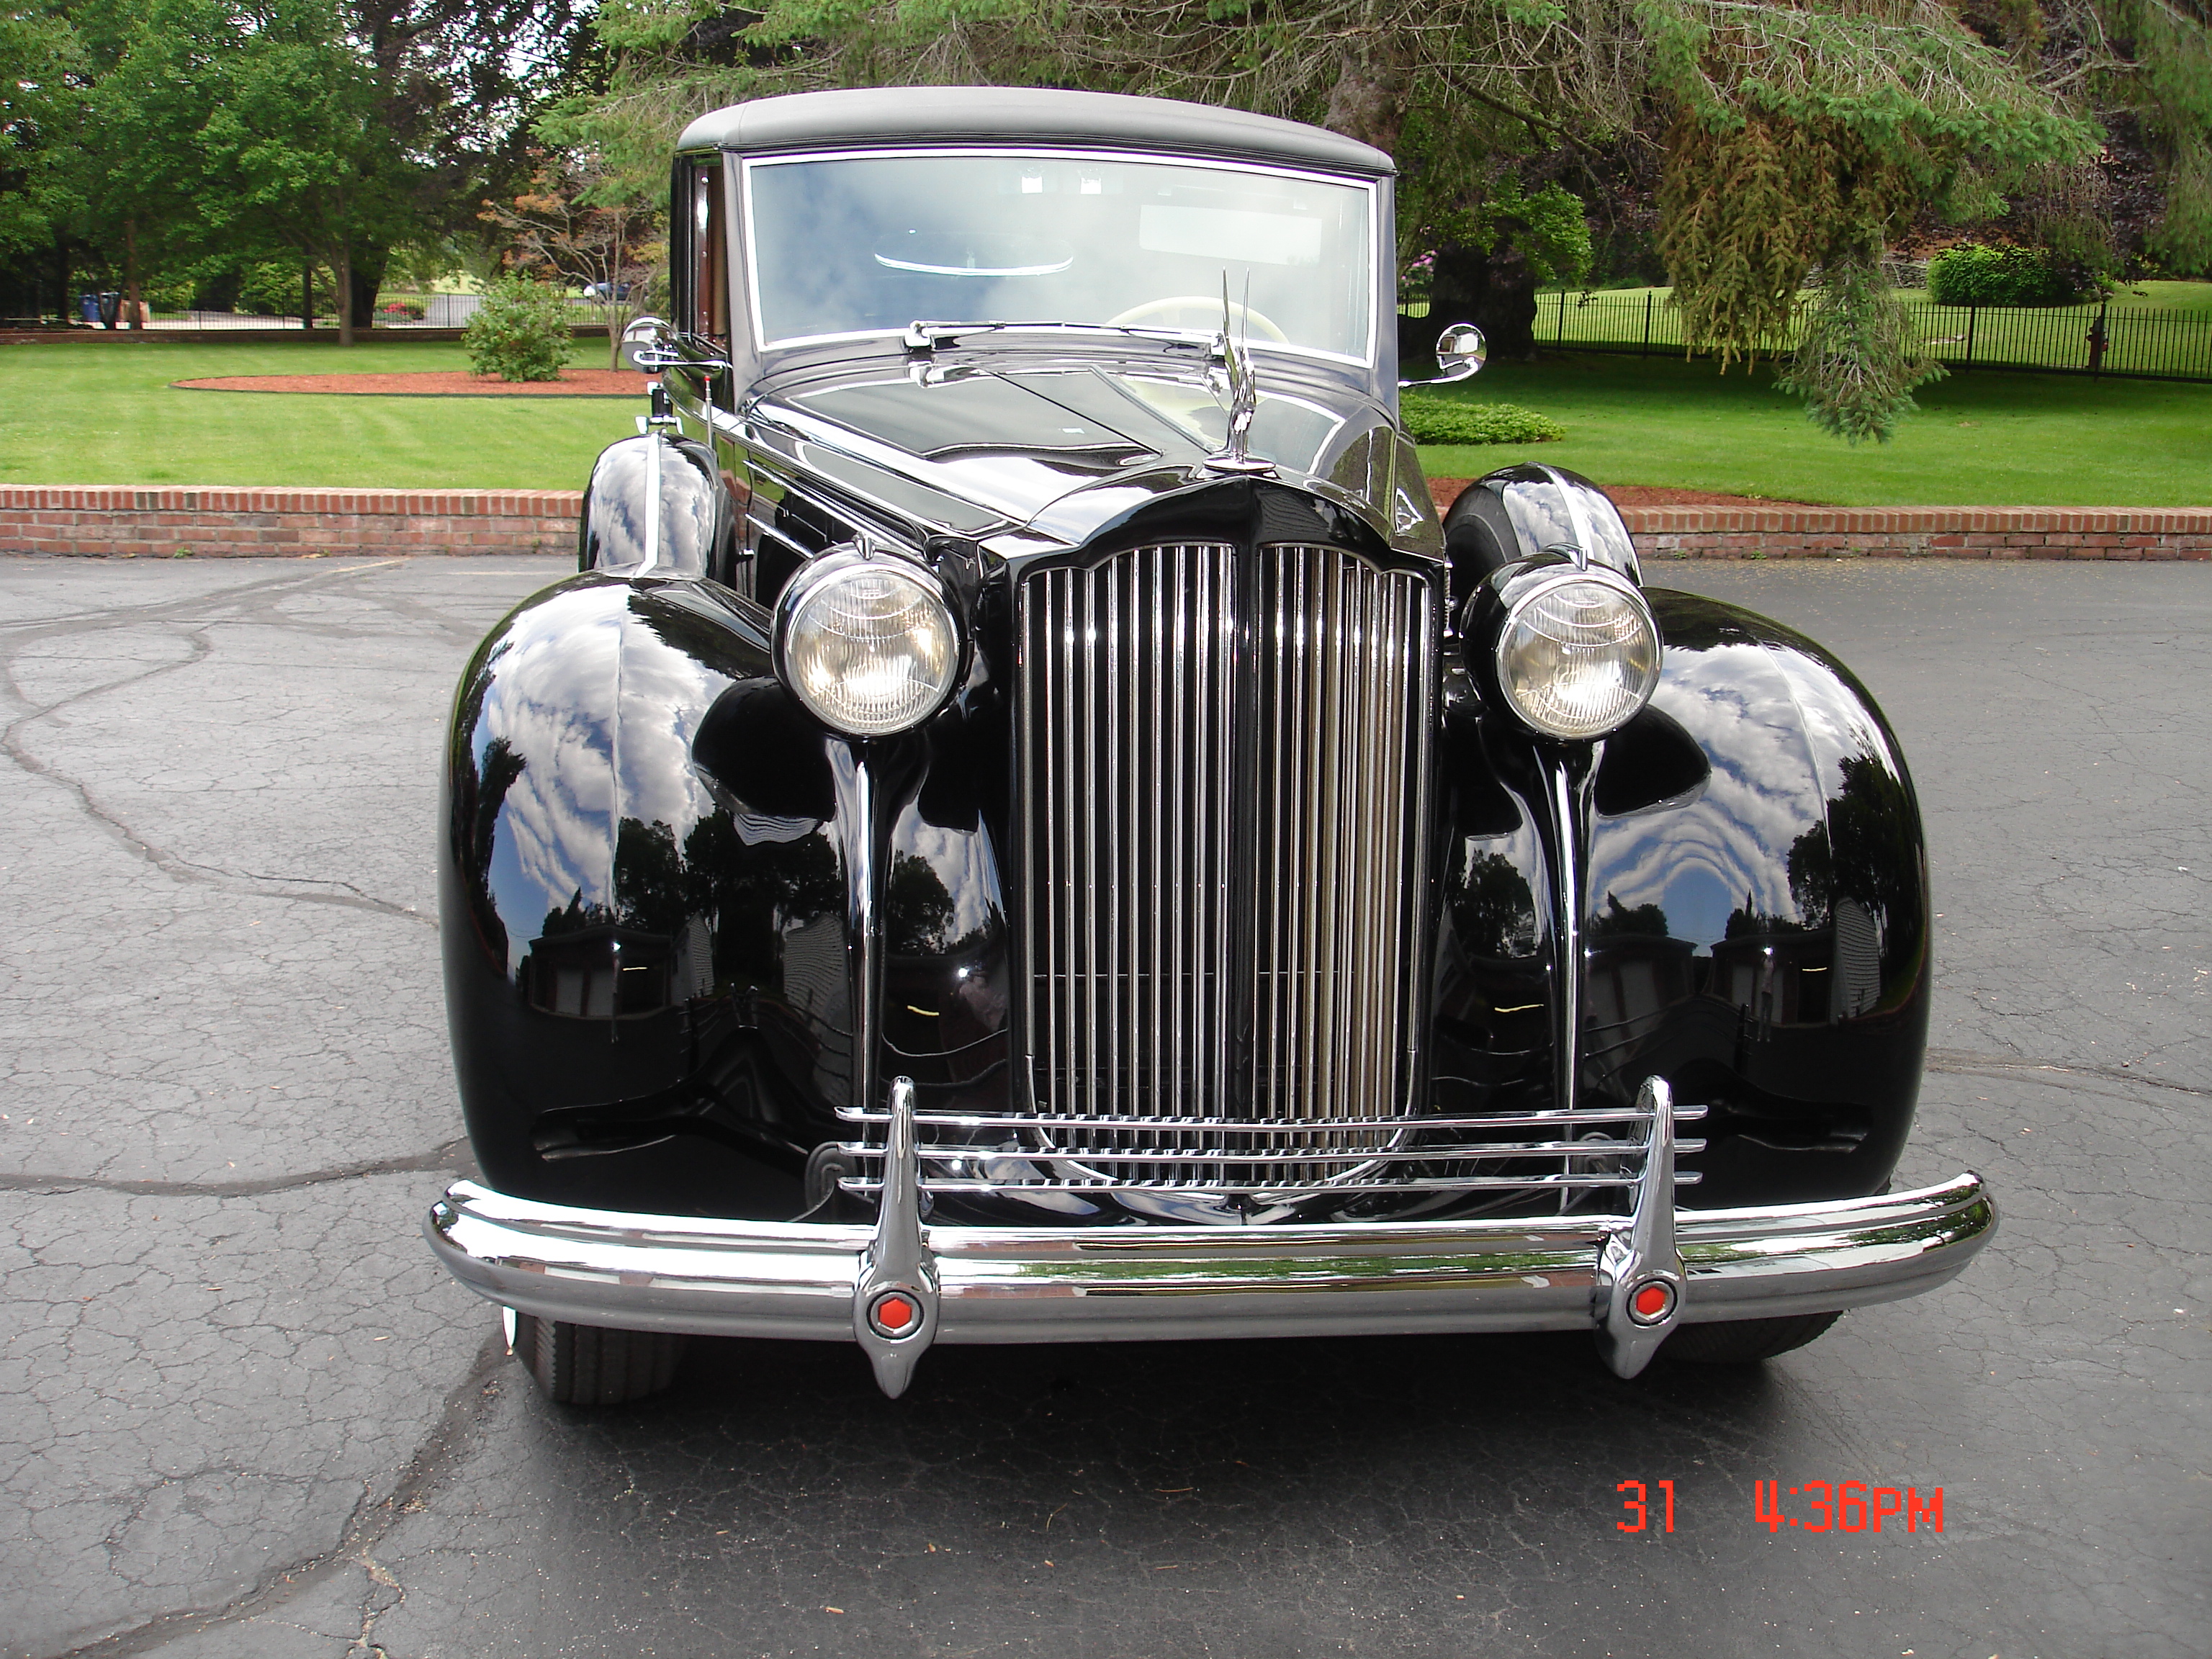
(895, 1314)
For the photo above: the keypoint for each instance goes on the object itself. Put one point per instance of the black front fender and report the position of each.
(617, 919)
(1753, 914)
(656, 505)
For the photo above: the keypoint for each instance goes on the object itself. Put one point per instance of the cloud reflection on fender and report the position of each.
(566, 665)
(1716, 854)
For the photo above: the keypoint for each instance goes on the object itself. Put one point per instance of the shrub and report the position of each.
(520, 332)
(271, 288)
(165, 293)
(1436, 421)
(1971, 275)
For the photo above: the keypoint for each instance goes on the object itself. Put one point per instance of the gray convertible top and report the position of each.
(910, 115)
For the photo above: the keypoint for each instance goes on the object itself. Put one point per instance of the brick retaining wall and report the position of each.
(1784, 532)
(129, 522)
(1921, 532)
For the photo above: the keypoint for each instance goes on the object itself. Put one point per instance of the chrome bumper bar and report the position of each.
(897, 1288)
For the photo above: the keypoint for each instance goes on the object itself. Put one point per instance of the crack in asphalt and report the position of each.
(185, 869)
(452, 1154)
(109, 616)
(170, 864)
(428, 1464)
(1963, 1061)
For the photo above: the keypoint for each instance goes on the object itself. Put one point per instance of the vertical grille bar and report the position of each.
(1150, 685)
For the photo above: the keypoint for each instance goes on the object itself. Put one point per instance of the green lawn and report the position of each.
(1983, 437)
(87, 413)
(99, 413)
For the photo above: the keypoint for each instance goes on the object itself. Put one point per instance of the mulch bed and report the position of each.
(1446, 491)
(435, 383)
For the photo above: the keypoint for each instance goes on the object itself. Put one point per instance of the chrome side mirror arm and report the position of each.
(1461, 351)
(657, 358)
(647, 346)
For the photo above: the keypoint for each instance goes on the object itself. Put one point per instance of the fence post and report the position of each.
(1646, 352)
(1972, 311)
(1560, 335)
(2099, 342)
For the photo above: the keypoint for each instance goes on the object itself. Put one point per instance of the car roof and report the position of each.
(998, 115)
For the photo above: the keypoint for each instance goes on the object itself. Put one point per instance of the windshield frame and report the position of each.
(750, 232)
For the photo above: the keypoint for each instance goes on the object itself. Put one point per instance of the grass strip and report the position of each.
(104, 413)
(98, 413)
(1982, 438)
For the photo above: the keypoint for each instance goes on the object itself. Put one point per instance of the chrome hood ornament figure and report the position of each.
(1236, 386)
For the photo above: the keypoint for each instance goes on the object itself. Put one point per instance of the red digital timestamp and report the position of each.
(1844, 1506)
(1848, 1506)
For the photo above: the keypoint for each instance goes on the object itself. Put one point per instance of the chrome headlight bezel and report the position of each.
(799, 613)
(1497, 617)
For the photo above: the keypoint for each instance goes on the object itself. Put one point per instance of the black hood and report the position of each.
(1057, 444)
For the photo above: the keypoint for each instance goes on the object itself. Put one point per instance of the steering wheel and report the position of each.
(1195, 311)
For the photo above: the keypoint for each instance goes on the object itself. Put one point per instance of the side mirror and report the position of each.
(1460, 350)
(645, 345)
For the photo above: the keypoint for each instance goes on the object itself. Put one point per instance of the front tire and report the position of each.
(1744, 1341)
(593, 1365)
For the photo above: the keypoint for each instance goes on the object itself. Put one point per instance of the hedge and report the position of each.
(1971, 275)
(1435, 421)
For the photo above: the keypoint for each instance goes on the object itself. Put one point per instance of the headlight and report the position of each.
(1577, 654)
(868, 645)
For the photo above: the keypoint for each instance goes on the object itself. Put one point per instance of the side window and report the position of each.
(707, 298)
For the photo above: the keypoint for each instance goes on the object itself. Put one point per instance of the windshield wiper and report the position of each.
(928, 336)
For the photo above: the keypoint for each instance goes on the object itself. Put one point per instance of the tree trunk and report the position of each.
(220, 292)
(345, 294)
(308, 293)
(130, 273)
(1374, 78)
(369, 268)
(1496, 292)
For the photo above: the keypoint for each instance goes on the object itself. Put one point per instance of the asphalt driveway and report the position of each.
(242, 1414)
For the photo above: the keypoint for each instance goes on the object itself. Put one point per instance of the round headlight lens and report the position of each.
(870, 647)
(1578, 657)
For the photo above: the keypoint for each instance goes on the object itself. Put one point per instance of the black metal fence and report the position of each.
(2103, 339)
(435, 311)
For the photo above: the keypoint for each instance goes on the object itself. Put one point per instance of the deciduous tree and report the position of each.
(121, 123)
(578, 221)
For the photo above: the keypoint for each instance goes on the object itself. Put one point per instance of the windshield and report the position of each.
(863, 245)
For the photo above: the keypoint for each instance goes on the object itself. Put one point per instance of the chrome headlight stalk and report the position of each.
(869, 645)
(1570, 649)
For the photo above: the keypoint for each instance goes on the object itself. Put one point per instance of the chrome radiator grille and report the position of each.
(1222, 788)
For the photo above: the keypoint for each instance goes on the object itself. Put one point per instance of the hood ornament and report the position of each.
(1236, 386)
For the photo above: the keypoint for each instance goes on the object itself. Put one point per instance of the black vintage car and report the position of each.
(1025, 827)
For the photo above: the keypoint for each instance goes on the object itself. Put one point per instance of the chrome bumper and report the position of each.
(1607, 1274)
